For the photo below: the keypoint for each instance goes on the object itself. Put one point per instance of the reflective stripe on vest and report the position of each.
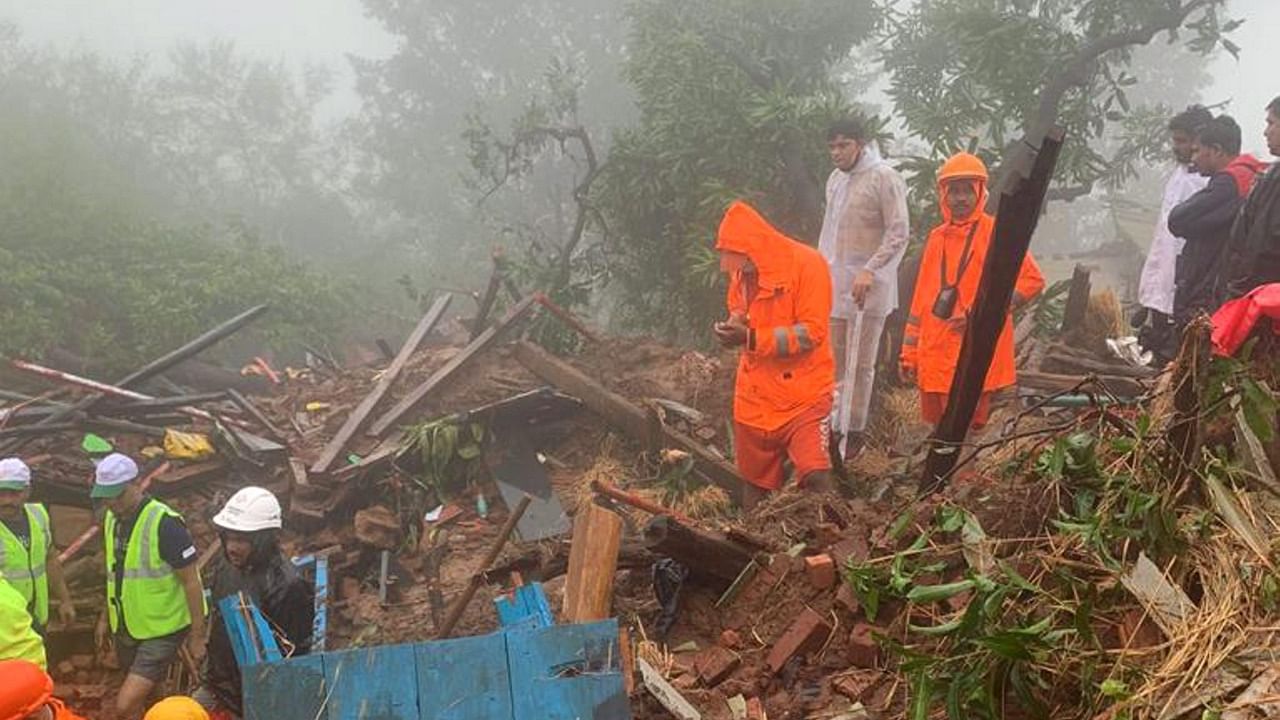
(151, 595)
(25, 567)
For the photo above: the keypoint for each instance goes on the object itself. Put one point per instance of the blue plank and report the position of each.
(290, 690)
(464, 679)
(526, 608)
(567, 672)
(372, 684)
(321, 623)
(250, 644)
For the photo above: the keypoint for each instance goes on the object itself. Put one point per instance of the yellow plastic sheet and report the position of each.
(180, 445)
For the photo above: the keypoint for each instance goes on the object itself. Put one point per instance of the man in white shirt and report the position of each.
(1156, 287)
(864, 235)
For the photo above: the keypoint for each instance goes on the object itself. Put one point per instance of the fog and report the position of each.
(352, 158)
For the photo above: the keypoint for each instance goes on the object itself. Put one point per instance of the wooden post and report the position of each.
(358, 416)
(1019, 213)
(1077, 300)
(711, 557)
(593, 561)
(460, 604)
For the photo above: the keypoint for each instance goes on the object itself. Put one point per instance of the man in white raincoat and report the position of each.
(1156, 286)
(864, 235)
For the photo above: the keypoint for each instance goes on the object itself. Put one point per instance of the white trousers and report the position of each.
(856, 344)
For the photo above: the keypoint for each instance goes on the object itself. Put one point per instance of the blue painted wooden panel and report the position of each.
(464, 679)
(527, 608)
(567, 672)
(372, 684)
(286, 691)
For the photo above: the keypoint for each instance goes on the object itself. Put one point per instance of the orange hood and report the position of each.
(745, 230)
(962, 165)
(26, 688)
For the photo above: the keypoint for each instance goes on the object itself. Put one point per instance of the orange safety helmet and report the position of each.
(962, 166)
(25, 689)
(177, 707)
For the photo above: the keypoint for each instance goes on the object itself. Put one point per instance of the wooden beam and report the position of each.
(622, 413)
(1019, 213)
(394, 416)
(1077, 300)
(358, 416)
(256, 413)
(711, 557)
(593, 562)
(1122, 386)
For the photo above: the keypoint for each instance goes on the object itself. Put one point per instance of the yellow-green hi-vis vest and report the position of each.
(24, 567)
(151, 596)
(18, 640)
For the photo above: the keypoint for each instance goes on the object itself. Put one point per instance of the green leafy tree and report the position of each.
(979, 74)
(734, 97)
(96, 254)
(459, 61)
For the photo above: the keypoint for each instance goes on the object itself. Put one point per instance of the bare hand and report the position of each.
(959, 323)
(196, 649)
(907, 374)
(862, 285)
(732, 332)
(67, 614)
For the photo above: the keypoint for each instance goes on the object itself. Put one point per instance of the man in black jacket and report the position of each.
(1255, 238)
(252, 563)
(1204, 220)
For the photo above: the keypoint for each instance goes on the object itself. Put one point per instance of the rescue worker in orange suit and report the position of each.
(26, 693)
(779, 310)
(946, 288)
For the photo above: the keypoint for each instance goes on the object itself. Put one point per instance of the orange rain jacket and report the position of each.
(931, 346)
(25, 688)
(787, 365)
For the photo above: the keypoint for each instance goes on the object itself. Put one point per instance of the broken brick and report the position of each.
(863, 651)
(846, 599)
(66, 669)
(854, 548)
(755, 709)
(686, 681)
(807, 633)
(83, 662)
(856, 684)
(731, 639)
(715, 664)
(821, 571)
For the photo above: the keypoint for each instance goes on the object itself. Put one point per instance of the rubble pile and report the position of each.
(1094, 559)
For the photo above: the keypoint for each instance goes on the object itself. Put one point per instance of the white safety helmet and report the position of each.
(251, 509)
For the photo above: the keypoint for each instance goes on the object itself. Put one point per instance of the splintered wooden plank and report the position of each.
(379, 682)
(623, 413)
(464, 679)
(420, 393)
(665, 694)
(358, 416)
(593, 562)
(1168, 604)
(567, 672)
(291, 690)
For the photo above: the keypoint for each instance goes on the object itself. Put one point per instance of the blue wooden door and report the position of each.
(567, 672)
(372, 684)
(465, 679)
